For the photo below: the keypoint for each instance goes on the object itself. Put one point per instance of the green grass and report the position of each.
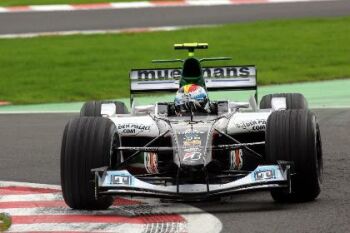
(5, 222)
(49, 2)
(73, 68)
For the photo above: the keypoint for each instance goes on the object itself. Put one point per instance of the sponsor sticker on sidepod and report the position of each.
(140, 126)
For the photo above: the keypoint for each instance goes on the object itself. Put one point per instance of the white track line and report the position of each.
(64, 7)
(129, 5)
(142, 4)
(98, 32)
(209, 2)
(31, 197)
(30, 185)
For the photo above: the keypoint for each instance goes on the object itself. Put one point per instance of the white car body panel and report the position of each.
(129, 125)
(246, 122)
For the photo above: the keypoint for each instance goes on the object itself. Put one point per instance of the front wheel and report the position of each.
(294, 135)
(86, 144)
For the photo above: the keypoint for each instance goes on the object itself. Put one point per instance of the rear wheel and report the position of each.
(294, 135)
(93, 108)
(86, 144)
(293, 100)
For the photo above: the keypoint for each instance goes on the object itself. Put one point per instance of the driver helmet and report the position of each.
(191, 97)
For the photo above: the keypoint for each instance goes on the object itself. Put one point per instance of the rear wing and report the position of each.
(216, 78)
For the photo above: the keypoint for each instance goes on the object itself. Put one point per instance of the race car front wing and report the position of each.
(121, 182)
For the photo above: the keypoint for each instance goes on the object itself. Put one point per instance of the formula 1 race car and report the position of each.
(192, 148)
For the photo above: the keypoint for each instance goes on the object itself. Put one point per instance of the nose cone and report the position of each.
(192, 142)
(192, 173)
(192, 167)
(193, 158)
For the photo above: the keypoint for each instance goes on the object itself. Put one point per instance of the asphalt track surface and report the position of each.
(30, 152)
(35, 22)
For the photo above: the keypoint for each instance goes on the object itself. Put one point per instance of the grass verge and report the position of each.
(73, 68)
(5, 222)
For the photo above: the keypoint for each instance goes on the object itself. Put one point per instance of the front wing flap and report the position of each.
(121, 182)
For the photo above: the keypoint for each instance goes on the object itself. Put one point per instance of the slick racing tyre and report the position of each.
(294, 135)
(93, 108)
(293, 100)
(86, 144)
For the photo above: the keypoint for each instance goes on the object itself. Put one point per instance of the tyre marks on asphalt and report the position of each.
(40, 208)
